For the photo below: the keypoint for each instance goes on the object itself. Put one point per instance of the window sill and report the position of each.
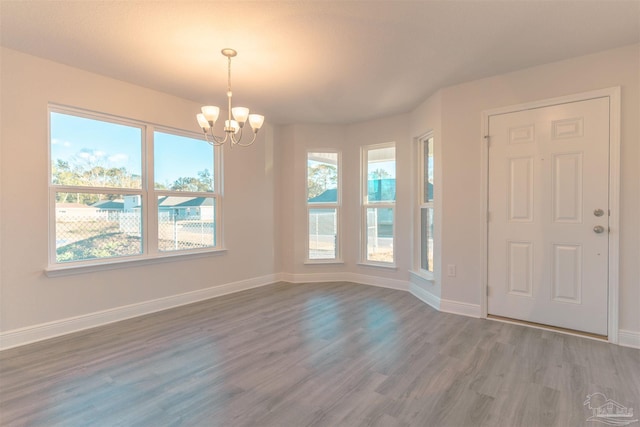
(423, 275)
(68, 270)
(379, 265)
(323, 262)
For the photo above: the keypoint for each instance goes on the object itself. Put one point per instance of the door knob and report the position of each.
(598, 229)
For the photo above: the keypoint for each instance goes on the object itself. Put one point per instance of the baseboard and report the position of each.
(629, 338)
(461, 308)
(362, 279)
(18, 337)
(22, 336)
(425, 296)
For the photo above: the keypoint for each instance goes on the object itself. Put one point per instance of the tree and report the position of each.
(378, 174)
(85, 169)
(203, 183)
(321, 177)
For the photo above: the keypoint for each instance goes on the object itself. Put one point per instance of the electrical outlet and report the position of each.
(451, 270)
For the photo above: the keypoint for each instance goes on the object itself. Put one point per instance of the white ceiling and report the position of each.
(314, 61)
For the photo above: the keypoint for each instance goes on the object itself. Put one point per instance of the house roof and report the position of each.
(178, 201)
(117, 204)
(327, 196)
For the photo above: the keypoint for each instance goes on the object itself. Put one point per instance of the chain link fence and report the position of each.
(92, 235)
(175, 233)
(323, 229)
(98, 234)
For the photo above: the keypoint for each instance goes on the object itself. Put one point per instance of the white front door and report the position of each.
(549, 215)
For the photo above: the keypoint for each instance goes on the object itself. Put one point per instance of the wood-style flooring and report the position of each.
(323, 354)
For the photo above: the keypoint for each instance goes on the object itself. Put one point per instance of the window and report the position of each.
(102, 207)
(426, 203)
(323, 206)
(379, 198)
(184, 187)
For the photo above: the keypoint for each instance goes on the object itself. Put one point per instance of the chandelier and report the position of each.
(232, 127)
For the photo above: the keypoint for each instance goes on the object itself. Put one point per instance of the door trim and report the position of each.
(613, 94)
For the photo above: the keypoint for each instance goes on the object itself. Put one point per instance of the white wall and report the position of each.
(28, 296)
(454, 114)
(294, 142)
(462, 107)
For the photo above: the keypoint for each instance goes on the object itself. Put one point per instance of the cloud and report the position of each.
(56, 141)
(91, 155)
(118, 158)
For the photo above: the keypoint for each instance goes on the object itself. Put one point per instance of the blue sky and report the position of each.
(86, 141)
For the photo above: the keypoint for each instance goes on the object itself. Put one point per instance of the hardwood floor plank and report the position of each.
(322, 354)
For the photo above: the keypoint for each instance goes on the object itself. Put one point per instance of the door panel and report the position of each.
(548, 174)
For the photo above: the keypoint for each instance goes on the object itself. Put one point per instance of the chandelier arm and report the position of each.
(235, 140)
(215, 141)
(248, 143)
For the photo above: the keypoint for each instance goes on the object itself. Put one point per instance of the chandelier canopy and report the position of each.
(232, 127)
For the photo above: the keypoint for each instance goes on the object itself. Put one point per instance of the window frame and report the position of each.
(365, 205)
(337, 205)
(216, 194)
(147, 192)
(425, 204)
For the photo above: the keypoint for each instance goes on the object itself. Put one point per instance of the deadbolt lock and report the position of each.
(598, 212)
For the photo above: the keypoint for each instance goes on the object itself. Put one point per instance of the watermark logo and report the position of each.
(607, 411)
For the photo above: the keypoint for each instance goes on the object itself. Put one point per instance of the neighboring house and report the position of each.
(110, 205)
(383, 189)
(327, 196)
(74, 211)
(112, 208)
(179, 208)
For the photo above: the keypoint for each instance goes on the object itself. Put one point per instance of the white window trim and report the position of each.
(421, 204)
(150, 253)
(336, 205)
(364, 187)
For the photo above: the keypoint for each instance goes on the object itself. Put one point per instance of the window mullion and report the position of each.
(150, 228)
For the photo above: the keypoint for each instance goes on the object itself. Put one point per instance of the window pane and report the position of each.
(380, 234)
(186, 223)
(94, 226)
(322, 177)
(323, 233)
(94, 153)
(426, 239)
(182, 164)
(381, 175)
(428, 170)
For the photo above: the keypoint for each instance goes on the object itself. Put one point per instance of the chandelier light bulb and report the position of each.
(231, 124)
(202, 121)
(256, 121)
(240, 114)
(211, 113)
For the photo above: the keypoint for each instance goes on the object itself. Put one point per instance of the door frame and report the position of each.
(613, 93)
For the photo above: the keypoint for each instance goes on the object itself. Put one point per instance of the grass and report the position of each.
(101, 246)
